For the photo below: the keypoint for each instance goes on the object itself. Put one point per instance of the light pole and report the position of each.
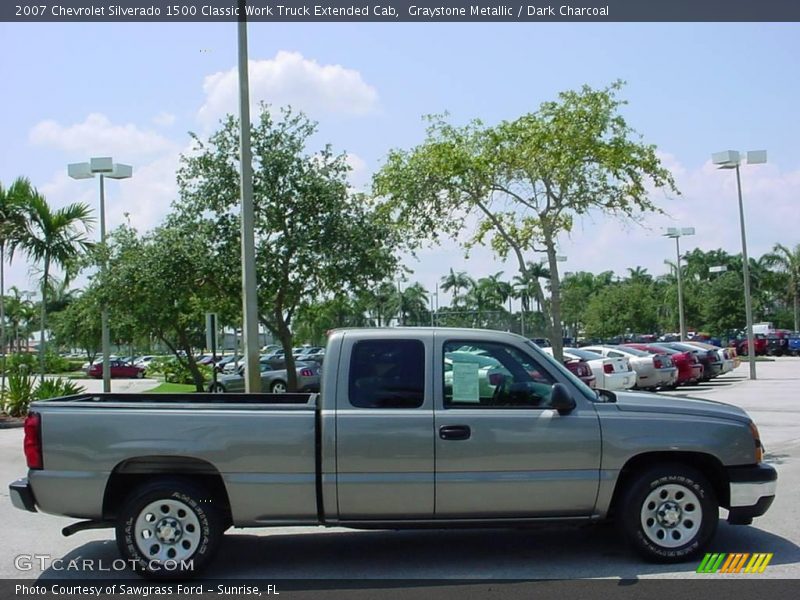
(731, 159)
(105, 167)
(677, 233)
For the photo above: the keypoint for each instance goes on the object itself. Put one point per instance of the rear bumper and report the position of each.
(752, 491)
(21, 495)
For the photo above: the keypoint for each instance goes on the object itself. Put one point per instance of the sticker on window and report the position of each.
(465, 382)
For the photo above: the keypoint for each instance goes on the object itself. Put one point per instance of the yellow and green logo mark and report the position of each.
(735, 562)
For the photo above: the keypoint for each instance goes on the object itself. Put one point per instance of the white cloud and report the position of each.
(164, 119)
(98, 136)
(290, 79)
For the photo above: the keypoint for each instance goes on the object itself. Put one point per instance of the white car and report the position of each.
(652, 371)
(612, 374)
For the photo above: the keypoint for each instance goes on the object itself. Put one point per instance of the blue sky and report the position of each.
(132, 91)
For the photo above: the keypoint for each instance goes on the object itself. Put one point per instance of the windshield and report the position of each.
(588, 392)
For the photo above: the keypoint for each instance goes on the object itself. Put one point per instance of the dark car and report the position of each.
(710, 359)
(118, 369)
(778, 343)
(581, 369)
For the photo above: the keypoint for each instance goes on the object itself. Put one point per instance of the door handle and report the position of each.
(455, 432)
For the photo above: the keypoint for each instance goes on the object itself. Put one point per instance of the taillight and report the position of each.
(657, 362)
(306, 373)
(33, 441)
(608, 368)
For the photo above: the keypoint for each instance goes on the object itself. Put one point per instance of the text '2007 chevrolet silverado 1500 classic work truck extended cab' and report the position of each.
(413, 428)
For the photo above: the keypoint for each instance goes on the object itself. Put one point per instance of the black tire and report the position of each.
(216, 388)
(669, 513)
(277, 387)
(177, 510)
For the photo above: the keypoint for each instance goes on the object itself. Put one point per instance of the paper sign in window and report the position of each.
(465, 382)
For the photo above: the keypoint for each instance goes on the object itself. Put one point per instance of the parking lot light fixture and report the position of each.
(104, 167)
(731, 159)
(677, 233)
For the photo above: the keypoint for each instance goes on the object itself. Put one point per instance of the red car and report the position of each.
(581, 370)
(759, 341)
(690, 371)
(118, 369)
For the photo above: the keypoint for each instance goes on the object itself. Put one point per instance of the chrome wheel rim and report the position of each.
(278, 388)
(671, 515)
(167, 530)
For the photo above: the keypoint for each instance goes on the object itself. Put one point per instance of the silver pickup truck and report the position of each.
(413, 428)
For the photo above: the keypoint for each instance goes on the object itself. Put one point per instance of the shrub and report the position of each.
(20, 392)
(57, 387)
(18, 359)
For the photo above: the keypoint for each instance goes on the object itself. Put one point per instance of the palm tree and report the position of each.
(12, 223)
(639, 275)
(56, 239)
(456, 282)
(788, 261)
(413, 304)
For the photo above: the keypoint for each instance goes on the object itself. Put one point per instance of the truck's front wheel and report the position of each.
(169, 529)
(669, 513)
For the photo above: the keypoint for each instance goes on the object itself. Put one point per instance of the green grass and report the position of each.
(172, 388)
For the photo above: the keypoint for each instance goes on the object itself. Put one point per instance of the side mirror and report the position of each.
(561, 400)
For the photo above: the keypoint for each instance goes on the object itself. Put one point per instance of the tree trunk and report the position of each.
(2, 326)
(554, 318)
(43, 315)
(286, 339)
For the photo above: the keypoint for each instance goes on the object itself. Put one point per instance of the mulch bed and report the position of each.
(7, 422)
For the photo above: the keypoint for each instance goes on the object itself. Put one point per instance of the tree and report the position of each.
(787, 261)
(157, 283)
(456, 282)
(13, 204)
(313, 236)
(56, 239)
(618, 309)
(525, 180)
(414, 305)
(77, 325)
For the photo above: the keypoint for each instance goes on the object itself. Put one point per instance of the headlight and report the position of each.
(757, 440)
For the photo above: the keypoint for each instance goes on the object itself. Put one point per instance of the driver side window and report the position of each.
(493, 375)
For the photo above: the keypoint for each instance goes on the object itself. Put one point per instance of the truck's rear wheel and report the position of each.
(168, 529)
(669, 513)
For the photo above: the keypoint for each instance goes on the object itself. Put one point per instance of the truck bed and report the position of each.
(262, 446)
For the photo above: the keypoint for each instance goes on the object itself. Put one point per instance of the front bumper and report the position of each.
(752, 490)
(21, 495)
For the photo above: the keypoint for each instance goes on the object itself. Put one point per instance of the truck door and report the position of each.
(500, 451)
(384, 429)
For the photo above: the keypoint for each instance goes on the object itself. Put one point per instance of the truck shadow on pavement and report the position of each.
(394, 557)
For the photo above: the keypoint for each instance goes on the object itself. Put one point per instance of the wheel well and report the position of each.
(131, 474)
(708, 465)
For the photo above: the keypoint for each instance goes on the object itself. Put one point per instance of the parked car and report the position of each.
(728, 363)
(710, 359)
(388, 446)
(272, 380)
(143, 361)
(778, 343)
(690, 371)
(118, 368)
(652, 371)
(759, 340)
(794, 344)
(611, 373)
(581, 369)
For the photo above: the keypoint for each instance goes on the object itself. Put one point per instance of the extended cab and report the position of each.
(413, 428)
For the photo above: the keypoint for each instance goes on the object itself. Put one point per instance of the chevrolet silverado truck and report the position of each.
(425, 427)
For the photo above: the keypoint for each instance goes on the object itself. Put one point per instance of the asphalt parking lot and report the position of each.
(549, 552)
